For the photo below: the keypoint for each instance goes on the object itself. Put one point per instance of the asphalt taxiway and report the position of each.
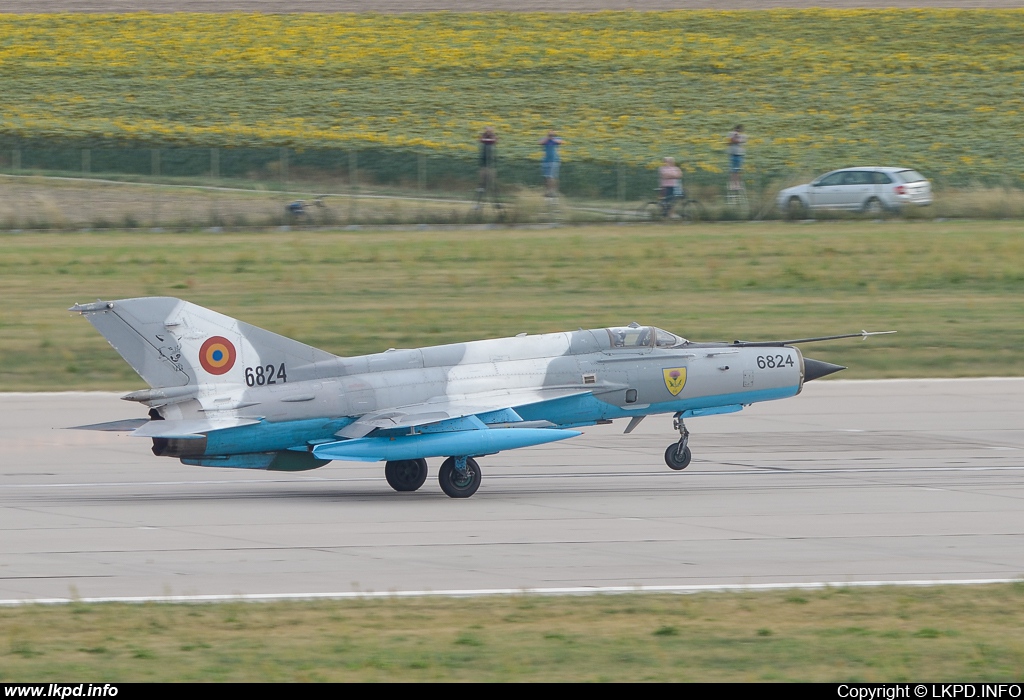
(849, 482)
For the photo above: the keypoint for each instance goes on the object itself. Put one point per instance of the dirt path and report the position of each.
(387, 6)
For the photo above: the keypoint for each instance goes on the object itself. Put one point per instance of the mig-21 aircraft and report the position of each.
(224, 393)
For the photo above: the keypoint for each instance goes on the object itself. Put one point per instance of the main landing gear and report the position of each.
(406, 474)
(677, 456)
(459, 476)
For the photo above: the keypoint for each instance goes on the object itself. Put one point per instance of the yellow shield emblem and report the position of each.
(675, 379)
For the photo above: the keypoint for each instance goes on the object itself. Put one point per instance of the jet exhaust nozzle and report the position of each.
(816, 369)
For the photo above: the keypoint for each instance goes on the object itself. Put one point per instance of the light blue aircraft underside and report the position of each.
(224, 393)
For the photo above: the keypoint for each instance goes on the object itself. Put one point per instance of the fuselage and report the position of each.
(566, 379)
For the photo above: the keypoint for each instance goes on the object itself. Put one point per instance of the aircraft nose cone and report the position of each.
(815, 369)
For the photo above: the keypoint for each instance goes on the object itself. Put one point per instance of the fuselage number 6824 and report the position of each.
(774, 361)
(261, 376)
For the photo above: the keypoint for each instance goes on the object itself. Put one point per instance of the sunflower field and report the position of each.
(938, 90)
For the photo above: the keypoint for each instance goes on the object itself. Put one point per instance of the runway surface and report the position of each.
(848, 482)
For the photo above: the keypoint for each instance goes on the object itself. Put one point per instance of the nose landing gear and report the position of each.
(677, 456)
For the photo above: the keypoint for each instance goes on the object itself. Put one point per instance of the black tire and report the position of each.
(690, 211)
(673, 461)
(874, 208)
(795, 209)
(406, 474)
(457, 485)
(651, 211)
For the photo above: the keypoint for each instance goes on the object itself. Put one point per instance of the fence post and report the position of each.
(353, 174)
(215, 177)
(86, 167)
(155, 168)
(285, 220)
(622, 192)
(423, 184)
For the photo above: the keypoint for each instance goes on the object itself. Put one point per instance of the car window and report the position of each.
(910, 176)
(833, 179)
(881, 178)
(857, 177)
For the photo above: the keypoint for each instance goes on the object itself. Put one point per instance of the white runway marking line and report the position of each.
(486, 592)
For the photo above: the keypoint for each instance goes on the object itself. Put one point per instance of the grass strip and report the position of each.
(953, 290)
(952, 633)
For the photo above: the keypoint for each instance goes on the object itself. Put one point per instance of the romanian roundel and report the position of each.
(217, 355)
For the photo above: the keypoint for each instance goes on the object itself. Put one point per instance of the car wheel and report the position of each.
(874, 208)
(795, 208)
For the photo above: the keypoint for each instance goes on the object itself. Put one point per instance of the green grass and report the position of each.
(955, 633)
(953, 290)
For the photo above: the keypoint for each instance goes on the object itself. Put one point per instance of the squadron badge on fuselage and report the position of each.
(675, 379)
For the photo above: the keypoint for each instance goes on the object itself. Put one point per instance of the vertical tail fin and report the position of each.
(171, 343)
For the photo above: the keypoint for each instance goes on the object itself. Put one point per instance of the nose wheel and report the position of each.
(675, 459)
(677, 456)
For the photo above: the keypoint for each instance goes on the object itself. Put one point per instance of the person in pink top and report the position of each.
(670, 179)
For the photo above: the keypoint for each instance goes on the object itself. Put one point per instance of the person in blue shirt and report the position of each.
(549, 166)
(737, 151)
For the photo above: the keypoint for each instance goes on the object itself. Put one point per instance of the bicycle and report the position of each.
(298, 212)
(679, 207)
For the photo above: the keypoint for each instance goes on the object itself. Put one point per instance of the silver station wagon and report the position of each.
(870, 190)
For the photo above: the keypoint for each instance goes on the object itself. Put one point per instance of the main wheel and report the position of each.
(459, 484)
(406, 474)
(674, 461)
(651, 211)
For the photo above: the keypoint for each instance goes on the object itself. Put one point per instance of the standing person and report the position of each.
(488, 159)
(549, 166)
(670, 178)
(737, 150)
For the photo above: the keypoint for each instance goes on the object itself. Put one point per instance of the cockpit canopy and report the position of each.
(637, 336)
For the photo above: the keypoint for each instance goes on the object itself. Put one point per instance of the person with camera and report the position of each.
(670, 180)
(737, 151)
(551, 163)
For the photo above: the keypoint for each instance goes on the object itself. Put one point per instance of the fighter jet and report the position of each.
(224, 393)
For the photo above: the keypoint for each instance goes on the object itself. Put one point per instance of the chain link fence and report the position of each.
(44, 186)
